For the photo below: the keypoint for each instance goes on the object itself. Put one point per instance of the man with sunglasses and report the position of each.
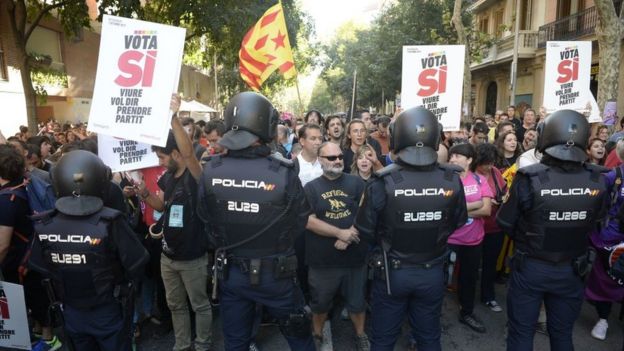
(410, 209)
(334, 252)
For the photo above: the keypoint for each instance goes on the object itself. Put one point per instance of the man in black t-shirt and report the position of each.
(184, 259)
(334, 252)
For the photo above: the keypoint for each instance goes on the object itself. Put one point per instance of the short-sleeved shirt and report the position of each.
(183, 235)
(334, 202)
(14, 213)
(475, 189)
(308, 170)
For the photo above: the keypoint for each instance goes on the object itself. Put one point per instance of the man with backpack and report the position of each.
(15, 235)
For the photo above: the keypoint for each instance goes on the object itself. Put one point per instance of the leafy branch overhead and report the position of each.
(214, 27)
(376, 51)
(217, 27)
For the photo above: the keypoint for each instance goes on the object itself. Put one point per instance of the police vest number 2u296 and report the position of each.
(422, 216)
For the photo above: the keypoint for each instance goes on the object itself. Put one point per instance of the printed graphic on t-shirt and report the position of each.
(337, 207)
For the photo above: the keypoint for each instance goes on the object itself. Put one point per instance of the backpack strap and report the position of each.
(18, 190)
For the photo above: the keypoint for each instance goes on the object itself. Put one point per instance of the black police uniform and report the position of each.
(410, 211)
(239, 204)
(91, 254)
(254, 206)
(551, 209)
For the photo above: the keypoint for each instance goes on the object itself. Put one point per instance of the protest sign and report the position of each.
(138, 70)
(125, 155)
(14, 333)
(433, 77)
(567, 75)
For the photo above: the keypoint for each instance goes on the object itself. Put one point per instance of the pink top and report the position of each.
(473, 231)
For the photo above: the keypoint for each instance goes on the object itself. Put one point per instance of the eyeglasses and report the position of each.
(333, 158)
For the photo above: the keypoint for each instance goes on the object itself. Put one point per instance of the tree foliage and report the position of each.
(217, 27)
(376, 52)
(214, 27)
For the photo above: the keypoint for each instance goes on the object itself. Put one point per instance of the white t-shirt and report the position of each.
(308, 170)
(528, 158)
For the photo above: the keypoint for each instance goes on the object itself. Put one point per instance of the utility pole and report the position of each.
(514, 62)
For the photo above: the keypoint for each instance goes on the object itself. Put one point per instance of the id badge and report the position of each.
(156, 215)
(176, 215)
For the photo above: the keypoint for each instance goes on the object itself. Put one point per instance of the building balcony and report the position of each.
(578, 25)
(502, 51)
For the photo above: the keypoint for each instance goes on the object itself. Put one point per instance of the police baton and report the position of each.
(386, 269)
(56, 313)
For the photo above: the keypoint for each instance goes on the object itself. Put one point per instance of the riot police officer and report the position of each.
(410, 209)
(90, 253)
(551, 208)
(253, 205)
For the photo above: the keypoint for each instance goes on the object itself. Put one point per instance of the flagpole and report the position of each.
(299, 96)
(353, 94)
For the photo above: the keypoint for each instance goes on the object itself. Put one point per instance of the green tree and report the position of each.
(24, 17)
(321, 98)
(213, 27)
(376, 52)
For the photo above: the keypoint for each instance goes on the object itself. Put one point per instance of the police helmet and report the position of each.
(80, 180)
(249, 117)
(416, 137)
(564, 136)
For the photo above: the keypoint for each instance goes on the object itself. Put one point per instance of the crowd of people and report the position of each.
(340, 166)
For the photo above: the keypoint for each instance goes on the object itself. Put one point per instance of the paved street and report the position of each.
(455, 336)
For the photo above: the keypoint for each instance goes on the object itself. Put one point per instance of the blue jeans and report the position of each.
(562, 292)
(416, 291)
(238, 307)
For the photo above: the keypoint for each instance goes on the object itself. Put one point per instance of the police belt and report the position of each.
(581, 264)
(281, 266)
(398, 263)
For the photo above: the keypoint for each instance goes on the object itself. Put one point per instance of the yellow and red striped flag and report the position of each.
(265, 49)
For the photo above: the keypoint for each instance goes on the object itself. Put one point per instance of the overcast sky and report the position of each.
(328, 15)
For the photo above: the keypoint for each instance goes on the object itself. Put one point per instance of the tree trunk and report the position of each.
(462, 39)
(16, 11)
(609, 32)
(30, 96)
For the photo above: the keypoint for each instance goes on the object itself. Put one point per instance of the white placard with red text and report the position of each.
(125, 155)
(567, 75)
(14, 332)
(138, 70)
(433, 77)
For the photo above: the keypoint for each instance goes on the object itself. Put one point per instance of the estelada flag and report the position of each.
(266, 48)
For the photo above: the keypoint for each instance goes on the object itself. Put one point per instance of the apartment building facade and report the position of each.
(539, 21)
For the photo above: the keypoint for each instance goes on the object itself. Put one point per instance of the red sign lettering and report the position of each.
(129, 63)
(430, 84)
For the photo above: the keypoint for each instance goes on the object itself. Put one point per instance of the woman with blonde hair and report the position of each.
(362, 164)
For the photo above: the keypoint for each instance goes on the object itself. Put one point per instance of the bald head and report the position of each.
(328, 148)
